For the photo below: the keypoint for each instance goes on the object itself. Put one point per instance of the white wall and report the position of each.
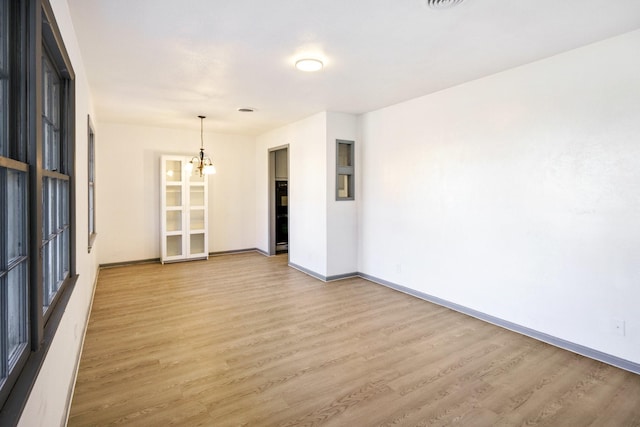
(342, 216)
(128, 186)
(307, 190)
(517, 195)
(48, 400)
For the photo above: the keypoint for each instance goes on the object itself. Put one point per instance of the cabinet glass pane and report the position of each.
(197, 196)
(17, 308)
(197, 244)
(174, 245)
(196, 219)
(344, 185)
(195, 177)
(174, 220)
(344, 155)
(174, 196)
(173, 170)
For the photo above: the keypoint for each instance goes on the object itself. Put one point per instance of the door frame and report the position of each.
(272, 196)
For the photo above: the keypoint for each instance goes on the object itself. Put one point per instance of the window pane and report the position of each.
(344, 155)
(4, 115)
(92, 226)
(47, 288)
(50, 116)
(4, 77)
(17, 309)
(65, 253)
(344, 186)
(91, 148)
(49, 201)
(16, 214)
(64, 200)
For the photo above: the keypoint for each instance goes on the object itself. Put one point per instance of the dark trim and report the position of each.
(540, 336)
(320, 276)
(34, 144)
(260, 251)
(52, 37)
(341, 276)
(307, 271)
(134, 262)
(13, 407)
(231, 252)
(157, 260)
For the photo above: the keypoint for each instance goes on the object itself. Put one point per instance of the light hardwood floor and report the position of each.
(245, 340)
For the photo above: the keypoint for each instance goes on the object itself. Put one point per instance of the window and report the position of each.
(91, 161)
(14, 255)
(37, 262)
(55, 183)
(4, 75)
(344, 170)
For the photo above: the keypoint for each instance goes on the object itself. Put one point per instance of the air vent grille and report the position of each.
(443, 4)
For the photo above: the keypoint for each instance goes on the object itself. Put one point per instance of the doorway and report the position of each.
(279, 200)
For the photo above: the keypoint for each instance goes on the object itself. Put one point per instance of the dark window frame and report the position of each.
(345, 170)
(33, 26)
(91, 182)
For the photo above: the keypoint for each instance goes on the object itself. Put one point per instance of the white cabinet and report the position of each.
(184, 220)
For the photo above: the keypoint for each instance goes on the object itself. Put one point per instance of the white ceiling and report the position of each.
(162, 63)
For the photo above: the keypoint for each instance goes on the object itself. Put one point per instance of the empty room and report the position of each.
(305, 213)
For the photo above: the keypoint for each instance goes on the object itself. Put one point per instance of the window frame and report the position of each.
(33, 26)
(349, 170)
(91, 183)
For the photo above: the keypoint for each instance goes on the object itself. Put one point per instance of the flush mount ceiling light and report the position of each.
(246, 110)
(443, 4)
(201, 162)
(309, 64)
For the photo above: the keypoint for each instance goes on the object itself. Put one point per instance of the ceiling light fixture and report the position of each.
(443, 4)
(201, 162)
(246, 110)
(309, 64)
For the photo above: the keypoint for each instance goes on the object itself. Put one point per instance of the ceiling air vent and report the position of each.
(443, 4)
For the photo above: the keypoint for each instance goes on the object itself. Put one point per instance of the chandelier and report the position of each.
(442, 4)
(201, 162)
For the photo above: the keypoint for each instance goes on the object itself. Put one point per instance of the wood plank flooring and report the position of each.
(244, 340)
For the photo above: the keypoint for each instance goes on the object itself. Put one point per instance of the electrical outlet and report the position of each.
(617, 327)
